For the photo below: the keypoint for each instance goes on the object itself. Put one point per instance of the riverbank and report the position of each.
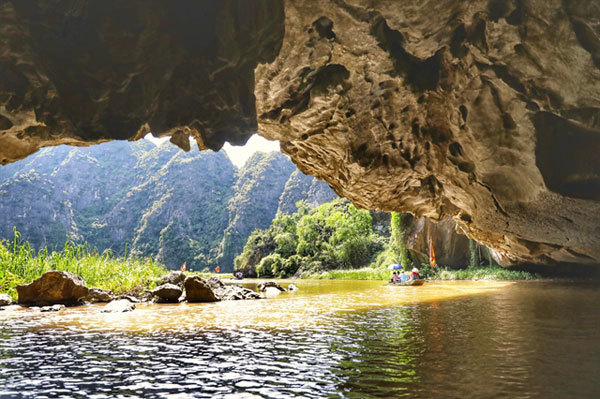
(19, 265)
(439, 273)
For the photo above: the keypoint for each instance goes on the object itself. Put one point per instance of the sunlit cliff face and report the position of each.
(484, 111)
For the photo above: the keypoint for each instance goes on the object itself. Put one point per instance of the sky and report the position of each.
(238, 154)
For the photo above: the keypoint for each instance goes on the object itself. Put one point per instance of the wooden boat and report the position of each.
(420, 281)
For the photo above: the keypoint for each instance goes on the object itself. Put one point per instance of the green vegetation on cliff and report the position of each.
(254, 205)
(337, 241)
(334, 235)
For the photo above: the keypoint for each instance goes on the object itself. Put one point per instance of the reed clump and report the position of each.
(21, 264)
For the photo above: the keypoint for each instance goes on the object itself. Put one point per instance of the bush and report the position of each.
(288, 267)
(355, 252)
(286, 244)
(268, 265)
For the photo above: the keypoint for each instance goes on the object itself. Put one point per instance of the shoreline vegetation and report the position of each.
(20, 264)
(486, 273)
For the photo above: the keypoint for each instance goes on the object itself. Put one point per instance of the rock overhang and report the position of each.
(487, 112)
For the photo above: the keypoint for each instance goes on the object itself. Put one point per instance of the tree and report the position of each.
(397, 239)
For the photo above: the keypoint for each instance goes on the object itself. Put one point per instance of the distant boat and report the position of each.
(420, 281)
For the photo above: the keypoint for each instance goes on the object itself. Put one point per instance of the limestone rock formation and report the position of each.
(451, 247)
(487, 112)
(483, 111)
(86, 72)
(53, 288)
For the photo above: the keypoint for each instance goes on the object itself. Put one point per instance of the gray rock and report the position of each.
(167, 293)
(98, 295)
(53, 288)
(175, 278)
(5, 300)
(292, 287)
(271, 291)
(199, 290)
(119, 306)
(53, 308)
(129, 298)
(263, 286)
(230, 292)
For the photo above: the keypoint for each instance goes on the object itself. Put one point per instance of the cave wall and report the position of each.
(486, 112)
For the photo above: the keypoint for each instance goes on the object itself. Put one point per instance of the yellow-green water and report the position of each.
(356, 339)
(306, 307)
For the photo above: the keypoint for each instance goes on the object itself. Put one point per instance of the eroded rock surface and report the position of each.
(87, 72)
(487, 112)
(53, 288)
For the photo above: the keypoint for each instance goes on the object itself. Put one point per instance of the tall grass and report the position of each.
(482, 273)
(366, 273)
(438, 273)
(20, 264)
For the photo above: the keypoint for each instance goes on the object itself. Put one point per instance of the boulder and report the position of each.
(5, 300)
(271, 291)
(175, 278)
(231, 292)
(119, 306)
(167, 293)
(129, 298)
(53, 288)
(199, 290)
(98, 295)
(262, 287)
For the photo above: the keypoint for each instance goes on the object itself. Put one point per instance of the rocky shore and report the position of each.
(55, 290)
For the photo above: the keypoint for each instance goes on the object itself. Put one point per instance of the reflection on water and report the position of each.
(330, 339)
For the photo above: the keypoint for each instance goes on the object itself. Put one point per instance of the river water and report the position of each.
(332, 339)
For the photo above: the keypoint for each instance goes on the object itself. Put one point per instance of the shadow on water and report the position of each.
(525, 340)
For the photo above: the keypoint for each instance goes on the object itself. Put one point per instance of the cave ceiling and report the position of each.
(486, 112)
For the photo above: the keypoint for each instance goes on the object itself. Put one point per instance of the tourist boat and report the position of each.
(420, 281)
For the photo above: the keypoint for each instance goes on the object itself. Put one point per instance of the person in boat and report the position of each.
(414, 274)
(394, 278)
(402, 277)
